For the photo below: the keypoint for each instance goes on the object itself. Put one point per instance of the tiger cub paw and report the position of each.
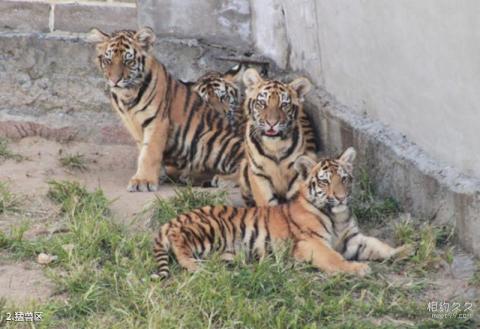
(360, 269)
(404, 251)
(220, 182)
(142, 185)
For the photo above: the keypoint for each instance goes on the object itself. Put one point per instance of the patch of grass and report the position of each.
(106, 281)
(6, 153)
(185, 199)
(9, 202)
(74, 161)
(368, 208)
(428, 240)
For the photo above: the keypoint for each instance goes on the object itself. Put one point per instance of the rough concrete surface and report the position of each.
(74, 17)
(24, 16)
(221, 21)
(428, 189)
(50, 86)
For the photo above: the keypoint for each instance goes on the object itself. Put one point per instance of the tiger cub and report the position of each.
(317, 220)
(222, 92)
(275, 136)
(170, 123)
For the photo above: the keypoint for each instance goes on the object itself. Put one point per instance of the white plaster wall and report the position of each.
(225, 22)
(414, 65)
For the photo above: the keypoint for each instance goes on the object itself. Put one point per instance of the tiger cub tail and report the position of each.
(160, 251)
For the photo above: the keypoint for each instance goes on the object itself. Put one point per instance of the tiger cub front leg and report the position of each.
(224, 181)
(326, 259)
(150, 158)
(261, 190)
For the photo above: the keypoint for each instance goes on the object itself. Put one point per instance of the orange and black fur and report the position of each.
(317, 221)
(170, 123)
(222, 92)
(276, 135)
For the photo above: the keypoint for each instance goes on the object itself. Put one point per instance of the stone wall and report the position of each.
(49, 84)
(71, 16)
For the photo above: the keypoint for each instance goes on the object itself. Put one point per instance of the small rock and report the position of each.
(68, 247)
(45, 259)
(154, 276)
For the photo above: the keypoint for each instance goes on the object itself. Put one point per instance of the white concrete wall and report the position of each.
(224, 22)
(413, 65)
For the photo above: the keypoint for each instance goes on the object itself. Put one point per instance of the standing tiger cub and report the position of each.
(170, 123)
(317, 220)
(277, 133)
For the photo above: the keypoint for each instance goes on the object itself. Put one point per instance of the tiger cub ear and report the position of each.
(251, 78)
(301, 86)
(97, 36)
(235, 73)
(347, 158)
(145, 38)
(303, 165)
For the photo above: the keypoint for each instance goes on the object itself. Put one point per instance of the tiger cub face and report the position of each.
(272, 106)
(121, 56)
(329, 182)
(221, 91)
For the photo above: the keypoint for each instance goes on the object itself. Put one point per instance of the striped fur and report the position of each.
(171, 124)
(317, 220)
(222, 92)
(275, 138)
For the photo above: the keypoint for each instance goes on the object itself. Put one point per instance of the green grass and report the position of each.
(6, 153)
(105, 280)
(74, 161)
(434, 245)
(369, 209)
(185, 199)
(9, 202)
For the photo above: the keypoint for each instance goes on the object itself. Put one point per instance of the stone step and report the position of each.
(50, 85)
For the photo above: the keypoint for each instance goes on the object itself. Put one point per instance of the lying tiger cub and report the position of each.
(317, 220)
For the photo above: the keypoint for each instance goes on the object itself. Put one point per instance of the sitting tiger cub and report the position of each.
(317, 220)
(277, 133)
(172, 126)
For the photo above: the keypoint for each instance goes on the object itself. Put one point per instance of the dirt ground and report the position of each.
(109, 167)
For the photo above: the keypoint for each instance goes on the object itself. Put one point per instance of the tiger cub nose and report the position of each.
(270, 122)
(341, 197)
(115, 80)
